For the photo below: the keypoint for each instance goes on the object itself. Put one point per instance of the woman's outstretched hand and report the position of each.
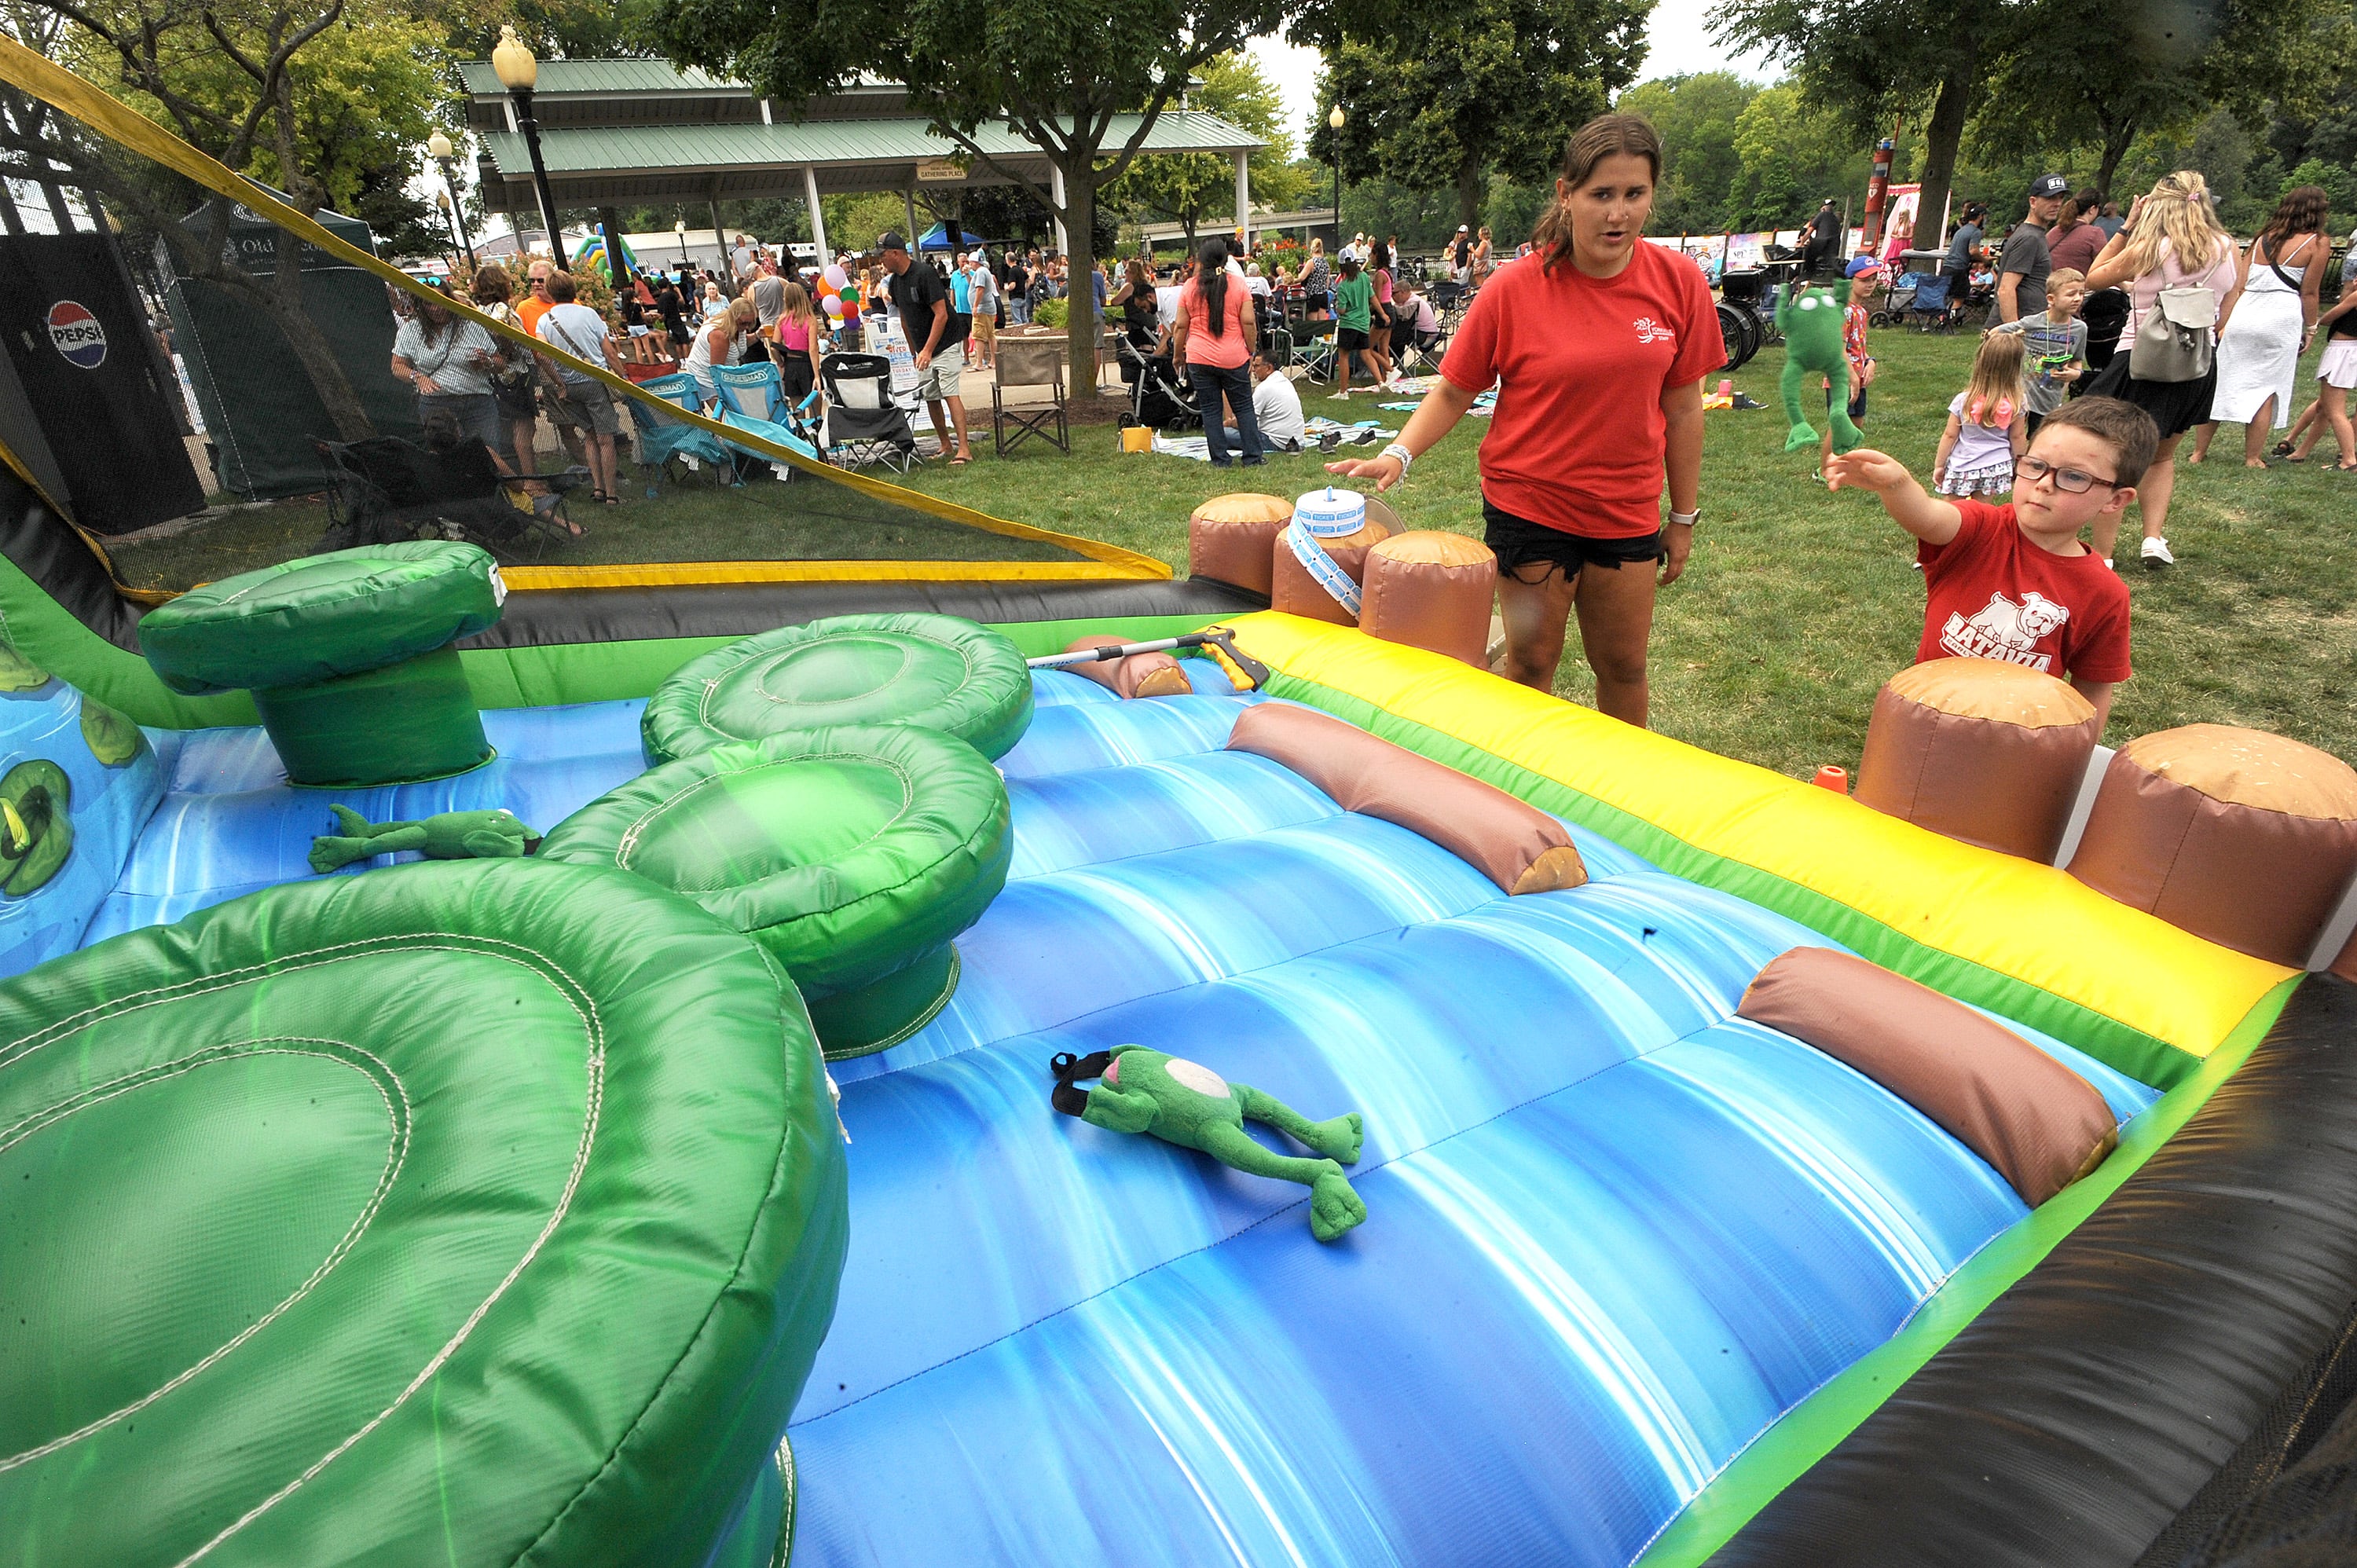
(1384, 471)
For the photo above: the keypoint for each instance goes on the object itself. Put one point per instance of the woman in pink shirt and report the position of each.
(1214, 336)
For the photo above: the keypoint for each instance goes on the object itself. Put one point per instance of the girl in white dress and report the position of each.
(2265, 324)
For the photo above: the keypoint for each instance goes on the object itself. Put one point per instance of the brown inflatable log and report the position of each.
(1985, 752)
(1510, 842)
(2040, 1124)
(1228, 538)
(1295, 592)
(1431, 589)
(2234, 834)
(1139, 675)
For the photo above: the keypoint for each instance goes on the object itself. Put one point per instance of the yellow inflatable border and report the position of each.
(2025, 940)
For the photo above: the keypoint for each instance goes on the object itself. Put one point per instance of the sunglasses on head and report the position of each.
(433, 280)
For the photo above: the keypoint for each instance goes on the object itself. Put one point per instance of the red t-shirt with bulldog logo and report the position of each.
(1580, 364)
(1995, 594)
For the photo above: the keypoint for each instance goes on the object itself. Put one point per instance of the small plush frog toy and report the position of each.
(1811, 325)
(453, 835)
(1180, 1102)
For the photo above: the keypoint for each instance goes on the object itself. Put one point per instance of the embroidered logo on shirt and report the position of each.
(2006, 631)
(1651, 331)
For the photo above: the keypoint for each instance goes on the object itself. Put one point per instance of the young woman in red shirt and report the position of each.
(1598, 344)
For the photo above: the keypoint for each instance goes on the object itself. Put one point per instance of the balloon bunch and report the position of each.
(837, 295)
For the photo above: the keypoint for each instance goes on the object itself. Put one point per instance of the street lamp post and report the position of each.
(449, 217)
(438, 148)
(1335, 122)
(519, 73)
(680, 229)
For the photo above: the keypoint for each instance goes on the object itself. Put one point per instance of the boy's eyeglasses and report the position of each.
(2075, 481)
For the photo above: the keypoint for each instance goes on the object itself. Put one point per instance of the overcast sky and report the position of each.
(1678, 46)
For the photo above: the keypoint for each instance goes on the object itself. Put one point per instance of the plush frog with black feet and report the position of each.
(1180, 1102)
(452, 835)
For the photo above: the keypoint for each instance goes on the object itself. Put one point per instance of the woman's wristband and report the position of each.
(1685, 519)
(1406, 458)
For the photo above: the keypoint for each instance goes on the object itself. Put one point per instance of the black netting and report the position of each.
(2288, 1497)
(250, 410)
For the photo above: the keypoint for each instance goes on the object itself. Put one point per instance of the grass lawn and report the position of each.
(1799, 604)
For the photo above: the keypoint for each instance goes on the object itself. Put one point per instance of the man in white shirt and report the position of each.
(1275, 405)
(740, 260)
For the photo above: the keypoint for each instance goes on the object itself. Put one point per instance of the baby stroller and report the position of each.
(1159, 398)
(864, 424)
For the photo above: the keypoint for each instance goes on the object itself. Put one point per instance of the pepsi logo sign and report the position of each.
(76, 334)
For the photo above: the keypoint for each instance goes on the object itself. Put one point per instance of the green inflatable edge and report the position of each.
(465, 1212)
(935, 671)
(320, 616)
(853, 855)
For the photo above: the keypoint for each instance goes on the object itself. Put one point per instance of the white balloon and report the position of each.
(835, 275)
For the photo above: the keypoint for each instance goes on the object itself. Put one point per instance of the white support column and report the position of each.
(818, 219)
(1244, 199)
(910, 197)
(1056, 188)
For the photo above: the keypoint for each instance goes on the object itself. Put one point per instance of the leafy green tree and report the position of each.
(1189, 187)
(1790, 156)
(1063, 73)
(1696, 116)
(2157, 68)
(1447, 92)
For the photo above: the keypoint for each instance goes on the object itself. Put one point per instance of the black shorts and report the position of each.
(1857, 405)
(1314, 303)
(1520, 544)
(1348, 339)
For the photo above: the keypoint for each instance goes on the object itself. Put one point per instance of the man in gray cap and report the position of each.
(936, 340)
(2022, 265)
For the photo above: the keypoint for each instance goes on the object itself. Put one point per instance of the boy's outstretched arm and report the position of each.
(1928, 519)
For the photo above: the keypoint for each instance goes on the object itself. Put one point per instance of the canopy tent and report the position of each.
(937, 238)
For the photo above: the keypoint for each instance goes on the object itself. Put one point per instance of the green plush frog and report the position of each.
(452, 835)
(1811, 325)
(1182, 1103)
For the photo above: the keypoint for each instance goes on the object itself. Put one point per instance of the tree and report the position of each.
(1489, 85)
(1082, 80)
(1869, 59)
(2158, 70)
(234, 82)
(1696, 116)
(1186, 186)
(1790, 156)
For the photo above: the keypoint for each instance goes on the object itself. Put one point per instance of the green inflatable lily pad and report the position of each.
(938, 671)
(18, 673)
(853, 855)
(470, 1212)
(114, 739)
(318, 616)
(35, 826)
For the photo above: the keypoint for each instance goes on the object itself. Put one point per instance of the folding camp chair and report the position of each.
(385, 490)
(1032, 370)
(1314, 352)
(663, 440)
(753, 399)
(864, 424)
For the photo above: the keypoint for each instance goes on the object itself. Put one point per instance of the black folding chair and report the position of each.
(863, 423)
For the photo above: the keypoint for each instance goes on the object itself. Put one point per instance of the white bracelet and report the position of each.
(1685, 519)
(1406, 458)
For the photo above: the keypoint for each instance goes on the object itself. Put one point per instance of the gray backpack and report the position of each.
(2178, 341)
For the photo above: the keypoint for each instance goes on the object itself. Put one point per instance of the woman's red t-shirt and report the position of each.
(1580, 364)
(1227, 350)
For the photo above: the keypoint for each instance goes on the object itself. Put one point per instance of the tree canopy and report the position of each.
(1189, 187)
(1488, 86)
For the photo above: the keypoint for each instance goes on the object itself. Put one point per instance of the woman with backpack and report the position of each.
(2273, 311)
(2177, 263)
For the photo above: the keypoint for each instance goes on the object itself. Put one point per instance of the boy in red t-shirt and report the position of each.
(2013, 581)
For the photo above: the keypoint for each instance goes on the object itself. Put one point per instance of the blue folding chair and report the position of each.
(662, 439)
(753, 399)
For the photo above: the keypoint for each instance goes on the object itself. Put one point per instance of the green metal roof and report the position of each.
(656, 148)
(599, 76)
